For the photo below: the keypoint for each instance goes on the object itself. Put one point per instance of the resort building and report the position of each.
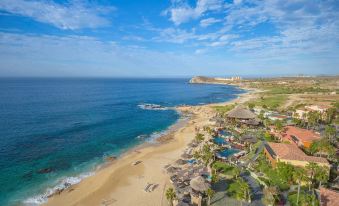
(296, 135)
(248, 140)
(276, 117)
(302, 113)
(236, 78)
(328, 197)
(243, 116)
(290, 153)
(317, 108)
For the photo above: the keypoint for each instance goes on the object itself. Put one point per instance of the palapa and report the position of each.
(181, 162)
(241, 113)
(199, 184)
(186, 156)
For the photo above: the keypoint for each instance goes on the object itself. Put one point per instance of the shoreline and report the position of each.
(66, 183)
(114, 181)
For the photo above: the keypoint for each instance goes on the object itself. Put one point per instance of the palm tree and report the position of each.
(311, 169)
(313, 118)
(270, 194)
(330, 115)
(243, 193)
(236, 172)
(278, 125)
(170, 195)
(210, 193)
(299, 176)
(330, 133)
(321, 175)
(207, 154)
(199, 137)
(196, 155)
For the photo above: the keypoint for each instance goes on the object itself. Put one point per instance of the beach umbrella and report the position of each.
(171, 169)
(186, 156)
(182, 204)
(199, 184)
(181, 162)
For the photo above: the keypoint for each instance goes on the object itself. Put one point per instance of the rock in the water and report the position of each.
(45, 170)
(111, 158)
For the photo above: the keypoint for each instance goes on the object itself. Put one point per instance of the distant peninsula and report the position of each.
(213, 80)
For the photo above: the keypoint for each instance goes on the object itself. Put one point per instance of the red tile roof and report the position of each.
(329, 197)
(302, 134)
(292, 152)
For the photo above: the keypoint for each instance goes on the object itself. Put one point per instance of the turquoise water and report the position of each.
(228, 152)
(225, 133)
(220, 141)
(54, 132)
(192, 161)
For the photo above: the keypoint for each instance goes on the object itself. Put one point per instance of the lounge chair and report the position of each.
(153, 187)
(147, 187)
(136, 162)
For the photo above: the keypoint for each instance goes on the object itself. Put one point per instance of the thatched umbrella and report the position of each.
(249, 139)
(241, 113)
(181, 162)
(172, 169)
(199, 184)
(182, 204)
(253, 122)
(193, 144)
(186, 156)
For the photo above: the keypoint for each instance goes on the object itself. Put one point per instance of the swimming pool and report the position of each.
(225, 133)
(227, 152)
(220, 141)
(192, 161)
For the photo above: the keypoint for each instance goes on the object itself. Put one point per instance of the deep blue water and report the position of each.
(68, 126)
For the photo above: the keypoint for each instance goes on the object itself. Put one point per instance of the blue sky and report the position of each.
(168, 37)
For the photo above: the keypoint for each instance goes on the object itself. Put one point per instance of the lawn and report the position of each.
(295, 90)
(224, 168)
(271, 101)
(224, 109)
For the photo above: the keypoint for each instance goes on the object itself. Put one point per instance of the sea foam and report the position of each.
(62, 184)
(152, 107)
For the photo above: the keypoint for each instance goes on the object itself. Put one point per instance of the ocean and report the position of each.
(56, 131)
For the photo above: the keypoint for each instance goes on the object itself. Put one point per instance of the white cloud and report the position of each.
(200, 51)
(181, 12)
(294, 28)
(47, 55)
(224, 40)
(209, 21)
(71, 16)
(175, 35)
(237, 1)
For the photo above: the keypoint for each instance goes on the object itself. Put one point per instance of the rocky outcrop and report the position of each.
(207, 80)
(201, 80)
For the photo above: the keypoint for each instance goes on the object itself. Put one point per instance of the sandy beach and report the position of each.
(121, 183)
